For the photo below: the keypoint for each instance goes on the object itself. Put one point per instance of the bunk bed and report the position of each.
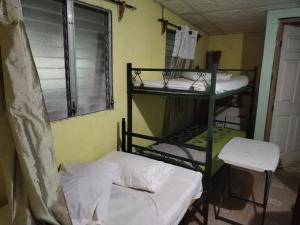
(197, 147)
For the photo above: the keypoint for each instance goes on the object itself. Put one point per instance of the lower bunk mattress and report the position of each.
(221, 136)
(166, 207)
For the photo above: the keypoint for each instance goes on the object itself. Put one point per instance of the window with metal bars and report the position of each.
(71, 46)
(170, 40)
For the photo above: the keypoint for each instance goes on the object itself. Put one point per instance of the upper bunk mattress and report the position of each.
(165, 207)
(234, 83)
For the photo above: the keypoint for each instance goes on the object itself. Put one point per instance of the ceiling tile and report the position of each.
(225, 16)
(208, 28)
(178, 6)
(248, 14)
(257, 3)
(217, 5)
(194, 18)
(279, 6)
(205, 5)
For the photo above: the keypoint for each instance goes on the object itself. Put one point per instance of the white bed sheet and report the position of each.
(165, 207)
(185, 84)
(133, 207)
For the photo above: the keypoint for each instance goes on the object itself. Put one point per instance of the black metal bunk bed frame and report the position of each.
(211, 96)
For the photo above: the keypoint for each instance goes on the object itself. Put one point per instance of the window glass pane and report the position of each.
(44, 26)
(92, 60)
(170, 40)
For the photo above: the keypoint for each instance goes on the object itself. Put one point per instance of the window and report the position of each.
(170, 41)
(72, 56)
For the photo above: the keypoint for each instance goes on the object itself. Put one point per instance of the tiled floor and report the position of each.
(283, 193)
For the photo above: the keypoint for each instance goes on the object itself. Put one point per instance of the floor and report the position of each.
(248, 184)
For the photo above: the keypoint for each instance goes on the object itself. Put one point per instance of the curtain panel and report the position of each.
(26, 147)
(181, 113)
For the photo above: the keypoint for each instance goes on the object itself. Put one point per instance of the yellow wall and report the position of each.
(253, 46)
(201, 51)
(137, 39)
(238, 50)
(231, 46)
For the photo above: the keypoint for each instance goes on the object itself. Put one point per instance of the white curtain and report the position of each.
(185, 43)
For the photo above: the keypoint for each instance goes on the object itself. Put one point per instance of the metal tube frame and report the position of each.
(227, 179)
(210, 95)
(250, 123)
(129, 107)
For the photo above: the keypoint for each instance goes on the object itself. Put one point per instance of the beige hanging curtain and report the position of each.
(26, 148)
(181, 113)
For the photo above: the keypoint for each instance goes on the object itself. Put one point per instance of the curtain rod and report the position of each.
(166, 23)
(121, 3)
(121, 7)
(170, 24)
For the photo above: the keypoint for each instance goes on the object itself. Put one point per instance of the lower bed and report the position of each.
(133, 207)
(222, 135)
(165, 207)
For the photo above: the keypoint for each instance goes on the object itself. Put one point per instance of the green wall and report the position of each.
(266, 71)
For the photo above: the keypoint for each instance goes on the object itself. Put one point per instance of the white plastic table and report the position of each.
(253, 155)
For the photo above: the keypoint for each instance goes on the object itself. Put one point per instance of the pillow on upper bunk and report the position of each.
(139, 172)
(87, 188)
(207, 76)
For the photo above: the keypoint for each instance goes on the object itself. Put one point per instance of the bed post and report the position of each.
(210, 124)
(249, 130)
(129, 107)
(123, 141)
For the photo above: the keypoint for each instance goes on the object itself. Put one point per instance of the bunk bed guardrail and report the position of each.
(200, 81)
(167, 157)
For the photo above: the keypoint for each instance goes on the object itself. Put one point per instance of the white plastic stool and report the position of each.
(253, 155)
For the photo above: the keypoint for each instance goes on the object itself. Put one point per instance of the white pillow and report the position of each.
(87, 188)
(207, 76)
(139, 172)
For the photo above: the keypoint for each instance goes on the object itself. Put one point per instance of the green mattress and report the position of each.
(220, 137)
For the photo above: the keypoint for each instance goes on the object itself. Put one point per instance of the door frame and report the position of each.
(275, 69)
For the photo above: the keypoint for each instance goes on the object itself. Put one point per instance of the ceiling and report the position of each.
(226, 16)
